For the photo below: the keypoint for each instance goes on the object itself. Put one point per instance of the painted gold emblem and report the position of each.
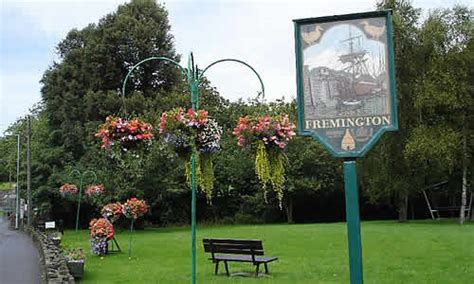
(348, 142)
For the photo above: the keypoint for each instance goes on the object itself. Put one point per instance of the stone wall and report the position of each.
(54, 265)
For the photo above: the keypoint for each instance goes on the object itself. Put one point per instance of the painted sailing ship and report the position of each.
(357, 82)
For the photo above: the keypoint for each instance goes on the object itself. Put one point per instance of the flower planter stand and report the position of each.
(115, 246)
(76, 268)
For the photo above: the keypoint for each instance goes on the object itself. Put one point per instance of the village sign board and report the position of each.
(346, 80)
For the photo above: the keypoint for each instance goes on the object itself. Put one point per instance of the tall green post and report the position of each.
(79, 204)
(194, 88)
(353, 221)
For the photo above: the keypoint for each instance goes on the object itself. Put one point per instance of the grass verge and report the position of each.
(415, 252)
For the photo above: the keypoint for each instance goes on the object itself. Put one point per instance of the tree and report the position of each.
(310, 168)
(81, 89)
(385, 173)
(444, 95)
(435, 105)
(94, 61)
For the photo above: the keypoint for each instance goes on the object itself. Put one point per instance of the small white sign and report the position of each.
(50, 225)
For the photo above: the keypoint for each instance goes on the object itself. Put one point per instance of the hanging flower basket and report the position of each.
(68, 189)
(193, 131)
(123, 133)
(133, 209)
(267, 136)
(95, 190)
(101, 230)
(112, 211)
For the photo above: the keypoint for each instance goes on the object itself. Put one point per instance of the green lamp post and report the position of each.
(193, 77)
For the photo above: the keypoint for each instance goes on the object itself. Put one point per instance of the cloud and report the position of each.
(19, 92)
(327, 58)
(56, 18)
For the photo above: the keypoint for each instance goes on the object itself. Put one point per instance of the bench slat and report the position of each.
(233, 246)
(233, 241)
(226, 240)
(218, 247)
(234, 251)
(244, 258)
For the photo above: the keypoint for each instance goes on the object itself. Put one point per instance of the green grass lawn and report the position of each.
(415, 252)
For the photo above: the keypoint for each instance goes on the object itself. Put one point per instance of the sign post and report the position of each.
(346, 96)
(353, 221)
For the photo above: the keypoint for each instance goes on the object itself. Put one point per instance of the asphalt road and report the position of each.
(19, 258)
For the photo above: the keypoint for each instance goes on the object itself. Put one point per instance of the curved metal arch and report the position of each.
(94, 175)
(185, 72)
(83, 175)
(238, 61)
(75, 172)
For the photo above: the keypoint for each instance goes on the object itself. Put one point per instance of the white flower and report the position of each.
(209, 137)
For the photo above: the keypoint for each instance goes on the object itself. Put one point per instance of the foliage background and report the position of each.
(434, 59)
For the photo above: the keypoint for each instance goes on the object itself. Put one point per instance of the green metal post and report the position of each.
(353, 221)
(79, 203)
(193, 217)
(130, 241)
(193, 80)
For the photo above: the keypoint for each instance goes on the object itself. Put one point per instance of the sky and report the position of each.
(258, 32)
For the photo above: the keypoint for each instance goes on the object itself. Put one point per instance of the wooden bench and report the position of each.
(227, 250)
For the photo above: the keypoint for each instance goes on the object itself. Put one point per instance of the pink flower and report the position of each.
(272, 130)
(241, 141)
(190, 112)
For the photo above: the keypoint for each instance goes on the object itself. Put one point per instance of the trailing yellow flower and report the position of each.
(277, 174)
(204, 173)
(262, 166)
(193, 132)
(207, 175)
(188, 170)
(268, 136)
